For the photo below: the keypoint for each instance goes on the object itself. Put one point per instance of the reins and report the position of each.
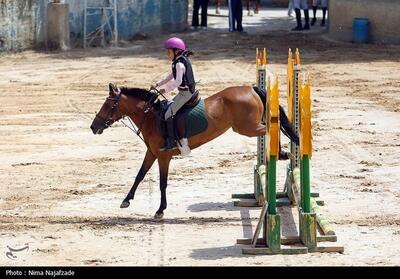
(147, 108)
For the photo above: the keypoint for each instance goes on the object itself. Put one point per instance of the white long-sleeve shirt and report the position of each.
(180, 69)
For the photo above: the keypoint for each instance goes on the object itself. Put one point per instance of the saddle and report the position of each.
(193, 101)
(180, 125)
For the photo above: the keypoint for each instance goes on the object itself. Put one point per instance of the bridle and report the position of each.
(108, 121)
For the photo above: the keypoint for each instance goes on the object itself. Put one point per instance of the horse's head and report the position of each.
(109, 112)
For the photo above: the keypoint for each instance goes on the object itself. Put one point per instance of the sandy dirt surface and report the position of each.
(61, 186)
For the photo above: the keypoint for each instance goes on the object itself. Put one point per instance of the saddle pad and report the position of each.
(195, 120)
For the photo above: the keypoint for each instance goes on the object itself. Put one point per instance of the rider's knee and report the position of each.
(169, 113)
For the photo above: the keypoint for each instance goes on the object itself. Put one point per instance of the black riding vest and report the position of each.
(188, 77)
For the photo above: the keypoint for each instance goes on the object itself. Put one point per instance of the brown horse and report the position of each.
(240, 108)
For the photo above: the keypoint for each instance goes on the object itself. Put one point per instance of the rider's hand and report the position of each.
(162, 91)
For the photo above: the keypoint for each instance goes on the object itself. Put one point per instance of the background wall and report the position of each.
(22, 23)
(134, 16)
(384, 17)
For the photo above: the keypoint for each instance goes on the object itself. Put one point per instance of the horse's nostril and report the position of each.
(91, 126)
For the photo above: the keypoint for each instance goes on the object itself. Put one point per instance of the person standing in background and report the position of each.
(195, 19)
(324, 5)
(235, 12)
(290, 8)
(298, 5)
(217, 5)
(257, 6)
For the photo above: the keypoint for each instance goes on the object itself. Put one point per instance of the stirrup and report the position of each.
(164, 148)
(169, 145)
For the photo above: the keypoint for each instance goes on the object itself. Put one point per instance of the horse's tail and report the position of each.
(262, 94)
(286, 127)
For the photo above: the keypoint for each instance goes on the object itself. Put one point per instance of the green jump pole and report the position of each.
(322, 221)
(271, 186)
(305, 184)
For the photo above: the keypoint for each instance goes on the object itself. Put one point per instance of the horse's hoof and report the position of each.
(158, 216)
(125, 204)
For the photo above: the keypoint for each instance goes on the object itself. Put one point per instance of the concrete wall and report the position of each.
(134, 16)
(57, 27)
(22, 22)
(384, 17)
(264, 3)
(275, 3)
(279, 3)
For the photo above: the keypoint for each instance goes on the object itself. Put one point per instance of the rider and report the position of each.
(182, 78)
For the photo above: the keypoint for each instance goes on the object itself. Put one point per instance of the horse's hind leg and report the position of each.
(251, 130)
(146, 165)
(284, 155)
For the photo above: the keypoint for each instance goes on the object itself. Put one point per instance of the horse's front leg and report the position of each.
(163, 164)
(146, 165)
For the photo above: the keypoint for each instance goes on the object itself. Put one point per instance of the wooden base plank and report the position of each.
(253, 203)
(262, 250)
(247, 241)
(328, 249)
(243, 196)
(327, 238)
(285, 195)
(281, 195)
(246, 203)
(288, 240)
(282, 202)
(267, 251)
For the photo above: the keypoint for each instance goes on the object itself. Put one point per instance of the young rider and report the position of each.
(181, 77)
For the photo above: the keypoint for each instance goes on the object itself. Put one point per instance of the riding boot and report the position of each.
(307, 19)
(323, 16)
(299, 26)
(314, 19)
(170, 140)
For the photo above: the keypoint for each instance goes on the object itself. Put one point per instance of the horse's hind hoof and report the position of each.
(158, 216)
(125, 204)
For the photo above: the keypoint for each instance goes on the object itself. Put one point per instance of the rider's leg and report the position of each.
(314, 8)
(297, 9)
(302, 4)
(179, 101)
(299, 26)
(324, 9)
(307, 20)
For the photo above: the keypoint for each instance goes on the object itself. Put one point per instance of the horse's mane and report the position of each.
(138, 93)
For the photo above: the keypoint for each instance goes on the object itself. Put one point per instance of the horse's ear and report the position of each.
(112, 89)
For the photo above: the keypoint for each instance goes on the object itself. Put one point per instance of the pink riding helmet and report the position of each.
(175, 42)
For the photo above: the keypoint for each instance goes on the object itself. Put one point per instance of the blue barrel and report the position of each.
(360, 30)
